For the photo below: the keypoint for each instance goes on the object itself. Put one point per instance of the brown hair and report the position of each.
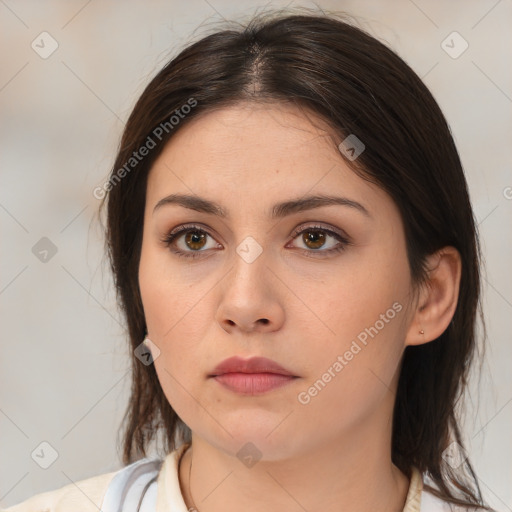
(329, 67)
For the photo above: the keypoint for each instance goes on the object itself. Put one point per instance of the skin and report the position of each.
(300, 311)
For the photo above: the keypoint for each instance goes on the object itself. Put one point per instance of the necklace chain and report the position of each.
(189, 491)
(194, 508)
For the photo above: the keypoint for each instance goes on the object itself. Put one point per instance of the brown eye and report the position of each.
(314, 237)
(195, 240)
(191, 241)
(315, 240)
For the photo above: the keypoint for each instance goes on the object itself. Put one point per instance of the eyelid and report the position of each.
(172, 235)
(343, 238)
(296, 231)
(320, 226)
(185, 227)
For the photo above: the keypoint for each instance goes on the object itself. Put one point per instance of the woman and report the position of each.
(290, 233)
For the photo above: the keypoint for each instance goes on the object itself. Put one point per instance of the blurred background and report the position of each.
(70, 72)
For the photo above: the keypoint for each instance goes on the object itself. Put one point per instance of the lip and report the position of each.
(253, 365)
(253, 383)
(253, 376)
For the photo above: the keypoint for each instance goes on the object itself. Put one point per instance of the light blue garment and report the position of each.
(133, 488)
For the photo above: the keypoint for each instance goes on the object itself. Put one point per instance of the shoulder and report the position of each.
(431, 503)
(421, 497)
(85, 495)
(91, 494)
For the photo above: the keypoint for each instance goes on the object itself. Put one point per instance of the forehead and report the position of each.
(243, 129)
(249, 152)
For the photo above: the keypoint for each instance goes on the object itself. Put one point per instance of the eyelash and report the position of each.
(169, 240)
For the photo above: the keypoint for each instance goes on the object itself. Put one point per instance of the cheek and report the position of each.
(354, 299)
(362, 323)
(354, 376)
(175, 317)
(169, 300)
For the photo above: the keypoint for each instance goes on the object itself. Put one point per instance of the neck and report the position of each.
(355, 476)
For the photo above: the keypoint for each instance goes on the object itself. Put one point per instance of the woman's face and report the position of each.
(267, 281)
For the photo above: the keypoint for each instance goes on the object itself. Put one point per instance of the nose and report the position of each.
(250, 298)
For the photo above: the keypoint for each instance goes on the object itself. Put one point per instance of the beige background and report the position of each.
(63, 356)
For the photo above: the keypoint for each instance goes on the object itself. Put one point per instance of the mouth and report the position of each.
(253, 383)
(253, 376)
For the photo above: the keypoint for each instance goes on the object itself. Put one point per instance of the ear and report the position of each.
(437, 297)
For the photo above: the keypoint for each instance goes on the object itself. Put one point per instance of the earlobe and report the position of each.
(437, 298)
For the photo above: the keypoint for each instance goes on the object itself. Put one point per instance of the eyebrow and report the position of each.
(278, 211)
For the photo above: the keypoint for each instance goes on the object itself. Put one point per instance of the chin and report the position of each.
(253, 443)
